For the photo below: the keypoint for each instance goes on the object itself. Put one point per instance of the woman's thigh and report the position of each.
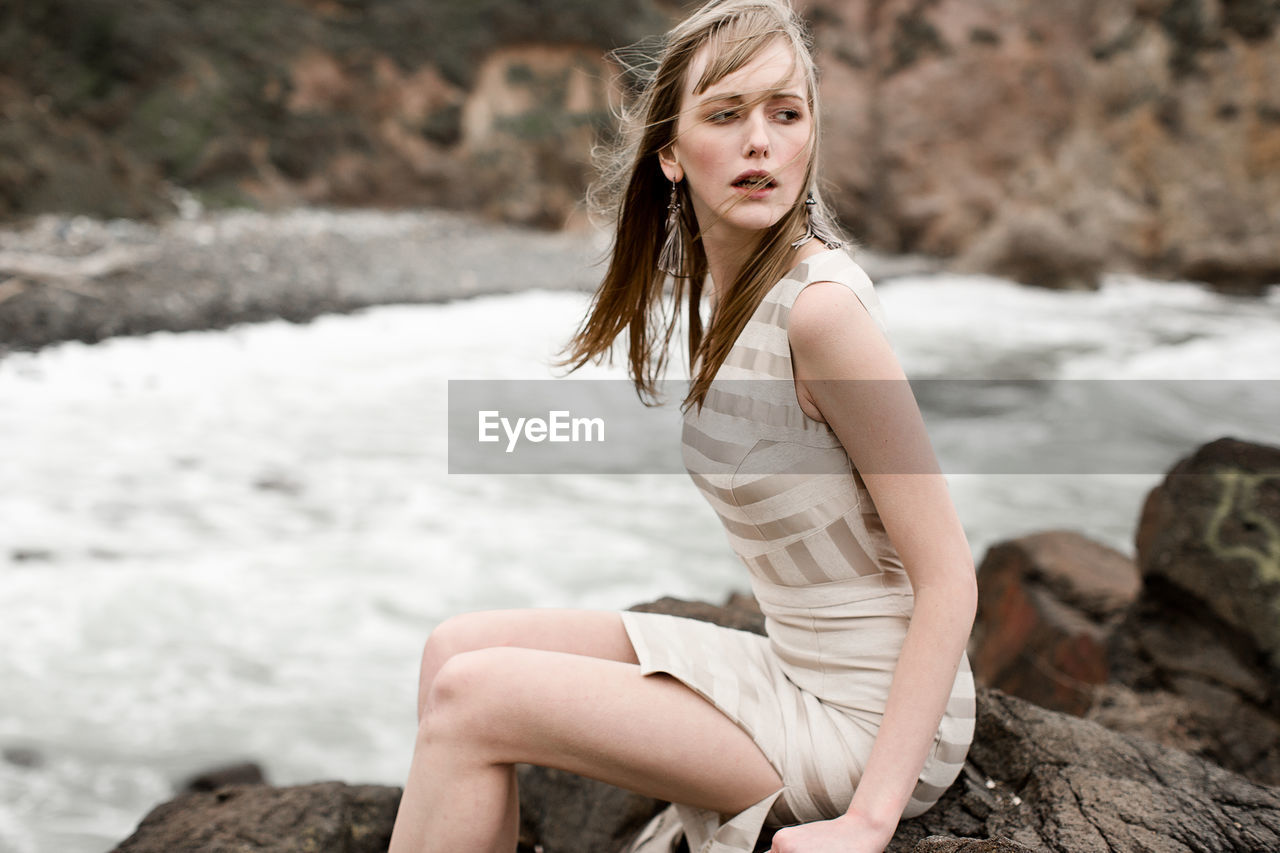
(594, 633)
(599, 718)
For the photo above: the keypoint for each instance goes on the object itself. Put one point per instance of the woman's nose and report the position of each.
(756, 141)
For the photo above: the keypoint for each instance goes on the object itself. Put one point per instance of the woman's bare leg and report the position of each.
(595, 633)
(494, 706)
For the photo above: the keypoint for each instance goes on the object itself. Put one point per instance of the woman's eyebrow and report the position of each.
(738, 98)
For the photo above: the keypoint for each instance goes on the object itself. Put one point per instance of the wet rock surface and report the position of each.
(1189, 659)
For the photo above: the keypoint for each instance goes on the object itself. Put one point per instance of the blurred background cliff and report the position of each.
(229, 544)
(1044, 142)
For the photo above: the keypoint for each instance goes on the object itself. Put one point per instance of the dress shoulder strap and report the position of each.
(837, 266)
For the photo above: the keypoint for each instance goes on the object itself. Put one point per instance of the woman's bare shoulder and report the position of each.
(833, 334)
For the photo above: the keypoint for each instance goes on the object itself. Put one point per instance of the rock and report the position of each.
(1034, 246)
(939, 844)
(1195, 660)
(1050, 141)
(1035, 780)
(1191, 661)
(1211, 531)
(1054, 782)
(327, 817)
(244, 773)
(1183, 678)
(316, 102)
(527, 130)
(566, 813)
(739, 611)
(1046, 606)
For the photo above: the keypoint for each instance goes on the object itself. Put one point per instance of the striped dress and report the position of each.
(832, 587)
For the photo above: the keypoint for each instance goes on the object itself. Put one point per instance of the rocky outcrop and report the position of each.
(1190, 660)
(1035, 780)
(1199, 653)
(1045, 142)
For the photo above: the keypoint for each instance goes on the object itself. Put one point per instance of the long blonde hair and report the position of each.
(632, 194)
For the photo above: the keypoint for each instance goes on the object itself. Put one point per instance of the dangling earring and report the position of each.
(674, 257)
(817, 227)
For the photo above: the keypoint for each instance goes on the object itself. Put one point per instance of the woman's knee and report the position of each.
(465, 695)
(464, 632)
(452, 637)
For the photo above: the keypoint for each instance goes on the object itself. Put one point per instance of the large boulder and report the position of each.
(1196, 660)
(1211, 531)
(1047, 604)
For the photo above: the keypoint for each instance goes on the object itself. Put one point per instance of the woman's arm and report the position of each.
(845, 369)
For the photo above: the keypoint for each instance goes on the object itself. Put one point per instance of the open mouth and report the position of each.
(757, 181)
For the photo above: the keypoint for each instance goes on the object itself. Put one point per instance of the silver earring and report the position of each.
(817, 226)
(674, 257)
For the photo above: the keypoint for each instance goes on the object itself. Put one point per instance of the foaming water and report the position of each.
(232, 544)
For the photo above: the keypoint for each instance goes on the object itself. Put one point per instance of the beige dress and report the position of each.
(836, 599)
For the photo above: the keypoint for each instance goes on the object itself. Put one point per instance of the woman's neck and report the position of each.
(725, 262)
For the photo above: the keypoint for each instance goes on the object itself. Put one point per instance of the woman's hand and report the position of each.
(849, 833)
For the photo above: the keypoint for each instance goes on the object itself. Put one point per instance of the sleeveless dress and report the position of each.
(831, 585)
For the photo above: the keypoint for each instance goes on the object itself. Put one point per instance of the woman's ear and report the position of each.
(670, 165)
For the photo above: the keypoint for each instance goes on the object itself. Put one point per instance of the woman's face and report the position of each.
(744, 144)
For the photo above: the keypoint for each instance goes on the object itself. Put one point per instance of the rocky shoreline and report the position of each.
(1157, 727)
(76, 278)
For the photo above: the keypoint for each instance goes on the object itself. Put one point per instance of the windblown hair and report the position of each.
(632, 195)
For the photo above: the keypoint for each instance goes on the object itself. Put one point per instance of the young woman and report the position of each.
(801, 431)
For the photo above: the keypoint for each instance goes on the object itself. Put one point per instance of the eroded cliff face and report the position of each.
(1041, 141)
(488, 105)
(1046, 141)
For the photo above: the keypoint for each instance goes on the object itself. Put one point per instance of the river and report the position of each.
(230, 545)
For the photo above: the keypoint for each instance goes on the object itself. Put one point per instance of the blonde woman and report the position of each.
(801, 431)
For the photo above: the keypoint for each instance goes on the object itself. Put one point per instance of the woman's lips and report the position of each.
(757, 193)
(756, 184)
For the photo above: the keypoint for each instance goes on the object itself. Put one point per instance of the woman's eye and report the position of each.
(723, 116)
(788, 115)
